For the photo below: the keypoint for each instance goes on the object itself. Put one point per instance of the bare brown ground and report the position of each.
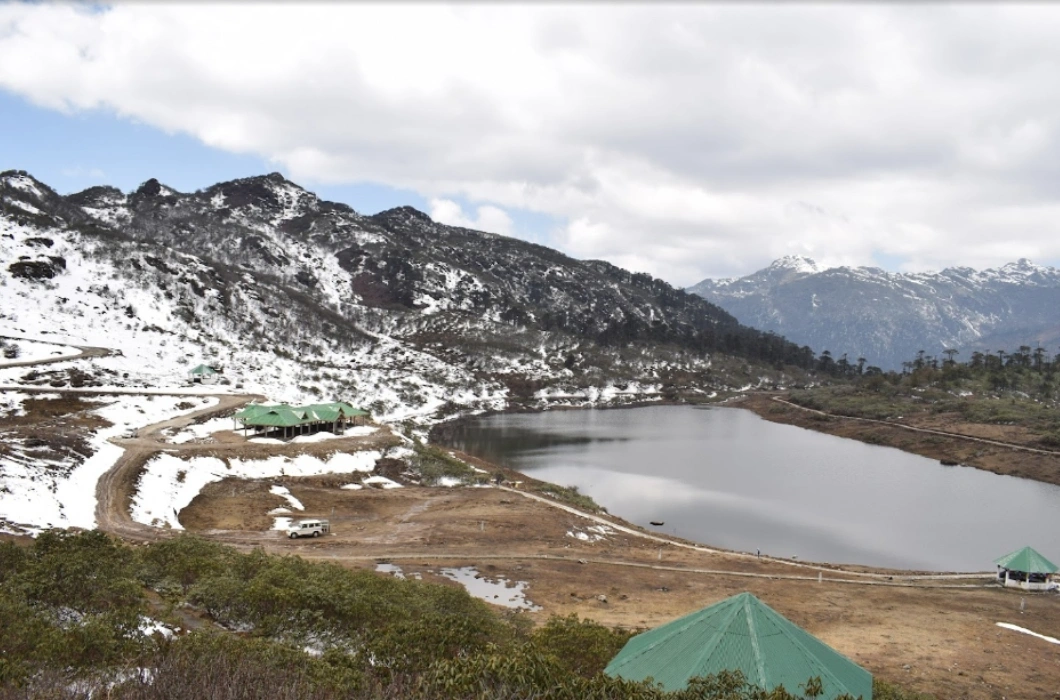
(972, 444)
(934, 635)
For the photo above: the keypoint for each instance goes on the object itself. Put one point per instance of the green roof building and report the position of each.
(293, 420)
(1027, 569)
(739, 633)
(203, 374)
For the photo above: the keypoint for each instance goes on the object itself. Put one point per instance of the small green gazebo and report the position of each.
(1027, 569)
(739, 633)
(202, 374)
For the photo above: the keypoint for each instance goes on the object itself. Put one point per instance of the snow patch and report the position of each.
(169, 483)
(282, 492)
(1014, 628)
(382, 481)
(39, 494)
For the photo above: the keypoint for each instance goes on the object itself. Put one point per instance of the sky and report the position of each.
(688, 140)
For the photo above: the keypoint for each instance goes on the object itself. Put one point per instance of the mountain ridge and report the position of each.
(412, 317)
(888, 317)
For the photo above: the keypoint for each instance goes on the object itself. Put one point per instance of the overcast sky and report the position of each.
(687, 141)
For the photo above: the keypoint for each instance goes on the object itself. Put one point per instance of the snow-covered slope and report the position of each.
(888, 318)
(302, 299)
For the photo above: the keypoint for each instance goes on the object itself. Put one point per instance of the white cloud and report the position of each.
(487, 217)
(685, 140)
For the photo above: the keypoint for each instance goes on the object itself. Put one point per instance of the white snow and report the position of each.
(352, 487)
(35, 494)
(26, 184)
(1014, 628)
(33, 350)
(382, 481)
(95, 301)
(322, 436)
(592, 533)
(201, 431)
(149, 626)
(283, 492)
(24, 206)
(169, 483)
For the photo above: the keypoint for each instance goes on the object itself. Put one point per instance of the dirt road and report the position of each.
(115, 489)
(86, 351)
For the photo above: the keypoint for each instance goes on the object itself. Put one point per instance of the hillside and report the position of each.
(301, 299)
(887, 318)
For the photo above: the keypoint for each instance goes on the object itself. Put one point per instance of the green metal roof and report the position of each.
(203, 369)
(251, 410)
(739, 633)
(278, 416)
(335, 408)
(1028, 561)
(282, 415)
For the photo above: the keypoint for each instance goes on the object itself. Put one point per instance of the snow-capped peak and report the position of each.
(795, 263)
(21, 180)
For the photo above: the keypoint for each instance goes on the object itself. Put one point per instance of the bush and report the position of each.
(571, 496)
(582, 647)
(434, 463)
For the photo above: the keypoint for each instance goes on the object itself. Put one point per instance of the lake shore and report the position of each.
(736, 481)
(962, 447)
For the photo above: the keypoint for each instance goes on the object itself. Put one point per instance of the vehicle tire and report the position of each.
(316, 533)
(293, 535)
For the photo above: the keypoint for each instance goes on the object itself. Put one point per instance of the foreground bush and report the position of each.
(73, 609)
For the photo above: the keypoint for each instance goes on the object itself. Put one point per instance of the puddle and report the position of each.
(395, 570)
(498, 592)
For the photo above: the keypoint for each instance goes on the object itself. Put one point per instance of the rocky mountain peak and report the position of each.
(795, 263)
(272, 195)
(152, 188)
(404, 213)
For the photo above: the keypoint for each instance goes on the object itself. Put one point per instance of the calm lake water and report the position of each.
(725, 477)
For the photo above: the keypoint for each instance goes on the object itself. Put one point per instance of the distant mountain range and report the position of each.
(887, 318)
(305, 299)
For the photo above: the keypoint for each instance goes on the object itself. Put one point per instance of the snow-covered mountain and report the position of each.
(887, 318)
(303, 299)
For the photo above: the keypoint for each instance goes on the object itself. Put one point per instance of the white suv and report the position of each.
(308, 528)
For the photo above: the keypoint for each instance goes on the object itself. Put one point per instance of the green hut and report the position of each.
(739, 633)
(203, 374)
(1027, 569)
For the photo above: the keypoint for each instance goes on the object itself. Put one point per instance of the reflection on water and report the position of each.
(728, 478)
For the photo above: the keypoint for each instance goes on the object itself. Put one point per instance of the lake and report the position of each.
(727, 478)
